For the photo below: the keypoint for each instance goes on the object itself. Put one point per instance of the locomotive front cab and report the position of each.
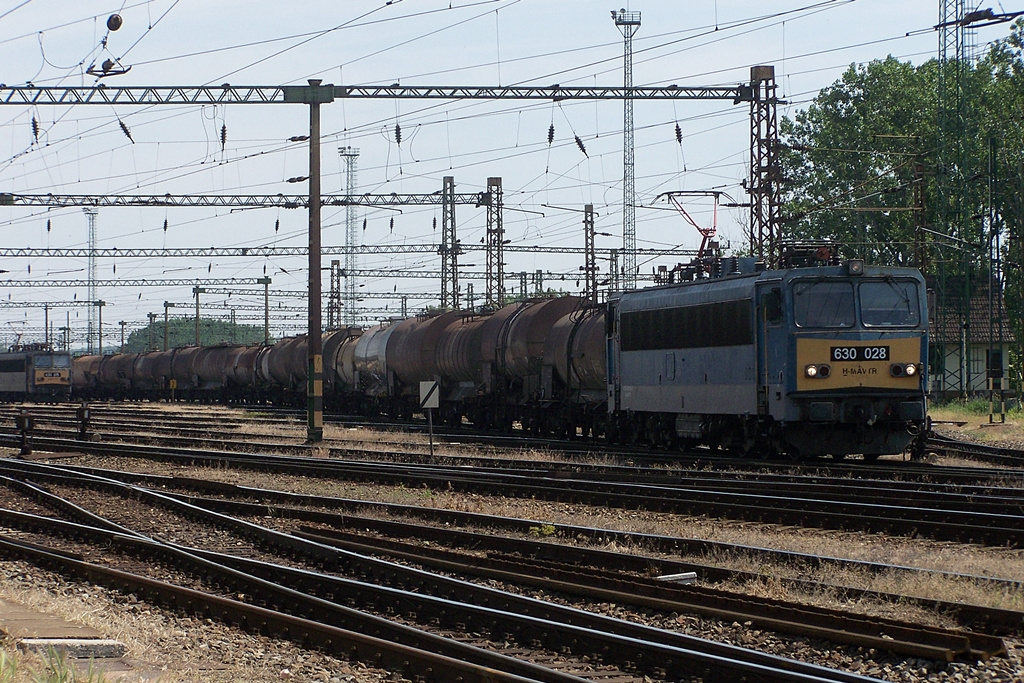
(857, 360)
(51, 374)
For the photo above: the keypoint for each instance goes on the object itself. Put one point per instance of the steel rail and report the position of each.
(644, 648)
(993, 454)
(348, 642)
(959, 526)
(915, 640)
(977, 498)
(1001, 621)
(961, 477)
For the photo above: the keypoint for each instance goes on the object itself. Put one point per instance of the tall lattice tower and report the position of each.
(334, 297)
(92, 329)
(628, 23)
(350, 155)
(450, 248)
(495, 245)
(952, 284)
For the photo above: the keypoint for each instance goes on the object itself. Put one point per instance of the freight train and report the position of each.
(805, 361)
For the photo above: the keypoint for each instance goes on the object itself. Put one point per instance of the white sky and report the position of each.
(414, 42)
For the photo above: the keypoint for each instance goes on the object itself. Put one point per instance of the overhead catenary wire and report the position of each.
(564, 180)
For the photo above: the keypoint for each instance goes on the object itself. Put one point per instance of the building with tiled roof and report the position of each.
(983, 329)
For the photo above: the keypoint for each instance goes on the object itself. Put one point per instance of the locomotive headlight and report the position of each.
(903, 369)
(819, 371)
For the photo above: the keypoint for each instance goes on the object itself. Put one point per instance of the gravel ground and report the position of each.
(170, 647)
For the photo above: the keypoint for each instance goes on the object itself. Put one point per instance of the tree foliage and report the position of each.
(852, 158)
(182, 332)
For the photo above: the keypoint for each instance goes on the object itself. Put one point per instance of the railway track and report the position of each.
(383, 601)
(989, 515)
(254, 502)
(193, 426)
(999, 455)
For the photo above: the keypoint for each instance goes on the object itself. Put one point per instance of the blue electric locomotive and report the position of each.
(803, 361)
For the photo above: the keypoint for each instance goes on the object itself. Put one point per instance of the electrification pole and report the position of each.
(495, 246)
(167, 305)
(315, 393)
(152, 319)
(628, 23)
(450, 248)
(350, 155)
(197, 291)
(590, 263)
(99, 308)
(265, 281)
(90, 333)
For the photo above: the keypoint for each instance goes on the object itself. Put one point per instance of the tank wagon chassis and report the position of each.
(805, 361)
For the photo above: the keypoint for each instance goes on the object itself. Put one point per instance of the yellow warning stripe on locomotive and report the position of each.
(839, 364)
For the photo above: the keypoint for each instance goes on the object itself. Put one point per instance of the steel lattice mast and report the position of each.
(90, 333)
(450, 247)
(628, 23)
(953, 305)
(495, 245)
(764, 186)
(350, 155)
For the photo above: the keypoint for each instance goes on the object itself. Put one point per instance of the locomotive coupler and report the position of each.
(83, 414)
(25, 423)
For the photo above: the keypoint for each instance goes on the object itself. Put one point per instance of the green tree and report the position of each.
(182, 332)
(849, 158)
(852, 151)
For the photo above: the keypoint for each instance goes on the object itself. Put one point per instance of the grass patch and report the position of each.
(52, 667)
(977, 427)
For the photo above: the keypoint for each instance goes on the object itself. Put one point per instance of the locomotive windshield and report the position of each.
(823, 304)
(889, 303)
(834, 303)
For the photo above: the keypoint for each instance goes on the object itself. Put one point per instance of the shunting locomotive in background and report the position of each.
(806, 361)
(34, 371)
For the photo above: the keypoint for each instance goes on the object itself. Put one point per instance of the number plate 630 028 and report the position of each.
(859, 353)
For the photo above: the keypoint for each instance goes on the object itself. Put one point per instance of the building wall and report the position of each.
(949, 382)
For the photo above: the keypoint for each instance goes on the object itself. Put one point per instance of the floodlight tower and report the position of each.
(91, 212)
(628, 23)
(350, 154)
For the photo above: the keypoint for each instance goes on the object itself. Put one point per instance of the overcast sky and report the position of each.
(178, 150)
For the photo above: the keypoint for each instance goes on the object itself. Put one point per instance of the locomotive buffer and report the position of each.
(429, 400)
